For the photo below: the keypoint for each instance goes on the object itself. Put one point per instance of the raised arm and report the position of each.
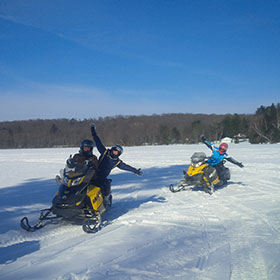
(100, 147)
(207, 143)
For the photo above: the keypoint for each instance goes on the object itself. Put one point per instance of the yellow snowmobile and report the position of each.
(199, 174)
(77, 200)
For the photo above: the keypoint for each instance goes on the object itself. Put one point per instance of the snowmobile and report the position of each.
(77, 200)
(200, 174)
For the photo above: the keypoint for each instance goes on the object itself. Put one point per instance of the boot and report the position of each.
(209, 189)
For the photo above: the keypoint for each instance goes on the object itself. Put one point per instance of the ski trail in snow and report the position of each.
(51, 239)
(151, 233)
(252, 228)
(207, 251)
(50, 233)
(247, 265)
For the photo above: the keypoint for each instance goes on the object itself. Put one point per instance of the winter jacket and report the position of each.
(107, 163)
(217, 158)
(82, 159)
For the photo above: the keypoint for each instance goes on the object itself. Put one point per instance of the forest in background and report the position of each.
(261, 127)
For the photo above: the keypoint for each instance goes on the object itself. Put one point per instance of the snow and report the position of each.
(227, 140)
(149, 233)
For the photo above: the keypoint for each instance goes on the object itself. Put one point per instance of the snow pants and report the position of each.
(104, 184)
(223, 172)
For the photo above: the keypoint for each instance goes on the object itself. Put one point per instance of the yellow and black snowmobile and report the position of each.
(77, 200)
(199, 174)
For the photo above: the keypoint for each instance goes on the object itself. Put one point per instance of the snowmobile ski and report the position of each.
(92, 225)
(179, 188)
(24, 223)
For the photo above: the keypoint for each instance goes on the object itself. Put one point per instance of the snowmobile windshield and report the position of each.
(76, 170)
(198, 158)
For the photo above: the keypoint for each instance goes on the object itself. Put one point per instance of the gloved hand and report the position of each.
(70, 162)
(202, 137)
(240, 164)
(92, 128)
(89, 163)
(139, 172)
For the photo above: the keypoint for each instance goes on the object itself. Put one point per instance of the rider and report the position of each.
(217, 158)
(109, 159)
(85, 156)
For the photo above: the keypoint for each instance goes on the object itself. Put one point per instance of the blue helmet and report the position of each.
(86, 143)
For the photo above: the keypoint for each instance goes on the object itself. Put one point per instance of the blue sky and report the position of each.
(90, 59)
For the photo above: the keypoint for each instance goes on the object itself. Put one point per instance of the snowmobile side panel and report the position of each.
(195, 170)
(96, 199)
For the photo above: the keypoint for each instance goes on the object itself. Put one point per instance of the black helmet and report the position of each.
(86, 143)
(117, 148)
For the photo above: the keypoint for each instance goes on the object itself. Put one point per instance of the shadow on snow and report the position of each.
(12, 253)
(30, 197)
(35, 194)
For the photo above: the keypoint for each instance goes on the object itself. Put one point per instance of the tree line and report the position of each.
(261, 127)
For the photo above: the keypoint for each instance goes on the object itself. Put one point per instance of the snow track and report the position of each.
(151, 233)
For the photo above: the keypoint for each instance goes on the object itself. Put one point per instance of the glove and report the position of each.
(70, 162)
(139, 172)
(92, 128)
(240, 164)
(202, 137)
(89, 163)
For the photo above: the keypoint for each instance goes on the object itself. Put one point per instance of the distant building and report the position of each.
(240, 137)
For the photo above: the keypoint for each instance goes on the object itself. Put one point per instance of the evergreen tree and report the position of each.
(163, 135)
(175, 135)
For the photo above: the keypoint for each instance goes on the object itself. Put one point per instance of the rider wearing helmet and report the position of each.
(223, 148)
(109, 159)
(116, 151)
(85, 156)
(217, 158)
(86, 148)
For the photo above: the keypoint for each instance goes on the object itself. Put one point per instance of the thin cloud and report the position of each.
(90, 44)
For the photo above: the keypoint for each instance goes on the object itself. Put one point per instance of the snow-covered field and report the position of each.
(150, 233)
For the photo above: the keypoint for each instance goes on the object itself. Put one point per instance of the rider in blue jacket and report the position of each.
(217, 158)
(109, 159)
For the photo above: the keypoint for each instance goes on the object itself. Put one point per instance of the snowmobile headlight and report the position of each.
(197, 164)
(78, 181)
